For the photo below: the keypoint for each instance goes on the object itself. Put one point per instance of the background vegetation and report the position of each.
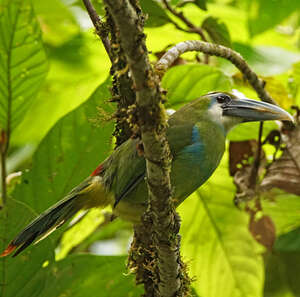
(54, 93)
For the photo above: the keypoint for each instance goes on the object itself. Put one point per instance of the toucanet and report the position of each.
(196, 134)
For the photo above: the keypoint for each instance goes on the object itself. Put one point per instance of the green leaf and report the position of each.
(201, 4)
(88, 275)
(217, 31)
(18, 274)
(278, 204)
(282, 275)
(23, 64)
(57, 21)
(187, 82)
(295, 83)
(77, 67)
(267, 60)
(156, 15)
(224, 258)
(288, 242)
(264, 15)
(69, 153)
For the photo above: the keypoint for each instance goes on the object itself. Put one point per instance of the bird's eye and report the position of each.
(223, 99)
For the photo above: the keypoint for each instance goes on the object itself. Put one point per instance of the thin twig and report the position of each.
(189, 24)
(216, 50)
(99, 26)
(191, 27)
(256, 163)
(3, 179)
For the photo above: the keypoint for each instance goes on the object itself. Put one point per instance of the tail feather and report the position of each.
(43, 225)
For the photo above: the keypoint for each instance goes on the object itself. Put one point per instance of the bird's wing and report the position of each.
(125, 169)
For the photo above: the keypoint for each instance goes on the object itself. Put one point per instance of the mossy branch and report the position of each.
(151, 121)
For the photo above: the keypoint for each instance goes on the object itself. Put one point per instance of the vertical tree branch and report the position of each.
(152, 124)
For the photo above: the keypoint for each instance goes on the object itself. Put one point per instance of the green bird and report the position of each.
(196, 134)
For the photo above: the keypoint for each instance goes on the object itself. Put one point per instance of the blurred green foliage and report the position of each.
(54, 89)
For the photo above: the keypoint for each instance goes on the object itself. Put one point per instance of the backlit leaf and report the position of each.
(23, 64)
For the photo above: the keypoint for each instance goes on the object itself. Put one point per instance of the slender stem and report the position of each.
(189, 24)
(3, 153)
(256, 163)
(191, 27)
(3, 179)
(99, 26)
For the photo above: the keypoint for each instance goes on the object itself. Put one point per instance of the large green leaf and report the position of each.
(264, 15)
(282, 275)
(57, 21)
(76, 69)
(88, 275)
(68, 154)
(18, 275)
(224, 258)
(23, 63)
(187, 82)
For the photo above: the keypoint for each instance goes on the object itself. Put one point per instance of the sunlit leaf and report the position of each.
(267, 60)
(187, 82)
(295, 83)
(278, 92)
(215, 239)
(77, 67)
(57, 21)
(264, 15)
(23, 64)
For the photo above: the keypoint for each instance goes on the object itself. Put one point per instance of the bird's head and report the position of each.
(229, 110)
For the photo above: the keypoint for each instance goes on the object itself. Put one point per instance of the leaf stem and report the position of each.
(3, 152)
(256, 163)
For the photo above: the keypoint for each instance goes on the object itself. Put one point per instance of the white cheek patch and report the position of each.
(216, 113)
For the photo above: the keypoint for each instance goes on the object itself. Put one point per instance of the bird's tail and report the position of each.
(52, 218)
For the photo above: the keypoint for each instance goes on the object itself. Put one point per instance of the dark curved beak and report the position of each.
(252, 110)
